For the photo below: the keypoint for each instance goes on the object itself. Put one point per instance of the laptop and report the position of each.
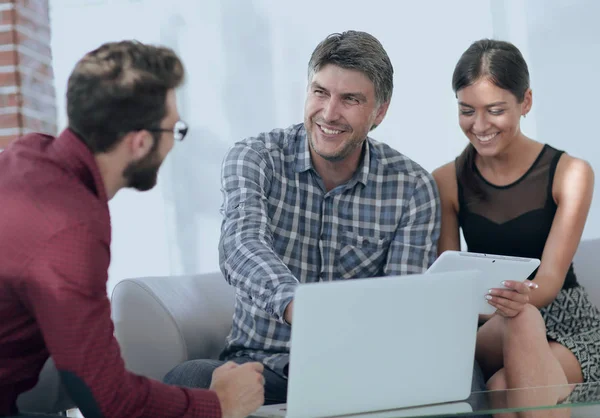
(379, 344)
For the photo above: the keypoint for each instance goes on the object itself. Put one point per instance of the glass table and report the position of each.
(485, 404)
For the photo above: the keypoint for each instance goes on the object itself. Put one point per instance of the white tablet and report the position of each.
(494, 270)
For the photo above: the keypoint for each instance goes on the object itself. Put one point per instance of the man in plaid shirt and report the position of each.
(318, 201)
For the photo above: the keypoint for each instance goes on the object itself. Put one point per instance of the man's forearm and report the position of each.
(251, 266)
(288, 312)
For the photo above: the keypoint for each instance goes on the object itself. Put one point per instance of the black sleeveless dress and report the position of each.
(515, 220)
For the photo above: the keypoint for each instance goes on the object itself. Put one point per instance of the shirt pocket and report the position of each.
(361, 255)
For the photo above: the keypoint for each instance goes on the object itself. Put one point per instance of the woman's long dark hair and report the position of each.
(499, 62)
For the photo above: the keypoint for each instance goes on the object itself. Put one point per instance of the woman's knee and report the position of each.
(497, 381)
(528, 322)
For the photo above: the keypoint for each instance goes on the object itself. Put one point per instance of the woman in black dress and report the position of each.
(512, 195)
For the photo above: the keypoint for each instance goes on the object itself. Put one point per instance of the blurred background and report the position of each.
(246, 66)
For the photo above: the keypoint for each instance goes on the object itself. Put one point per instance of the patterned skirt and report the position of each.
(574, 322)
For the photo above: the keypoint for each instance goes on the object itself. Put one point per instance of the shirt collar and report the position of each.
(77, 158)
(302, 151)
(303, 161)
(362, 174)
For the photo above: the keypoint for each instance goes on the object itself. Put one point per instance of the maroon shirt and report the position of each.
(54, 256)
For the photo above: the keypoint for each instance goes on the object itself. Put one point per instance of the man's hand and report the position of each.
(287, 315)
(509, 302)
(240, 388)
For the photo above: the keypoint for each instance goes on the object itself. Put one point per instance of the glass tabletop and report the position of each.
(487, 403)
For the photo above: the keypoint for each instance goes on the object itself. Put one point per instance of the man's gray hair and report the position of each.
(354, 50)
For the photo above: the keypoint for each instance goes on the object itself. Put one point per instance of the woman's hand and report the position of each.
(511, 300)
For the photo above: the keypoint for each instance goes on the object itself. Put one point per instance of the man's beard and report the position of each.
(142, 175)
(339, 156)
(349, 146)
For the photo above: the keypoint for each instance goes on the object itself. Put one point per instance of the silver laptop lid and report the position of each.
(382, 343)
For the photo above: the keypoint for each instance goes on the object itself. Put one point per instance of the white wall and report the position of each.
(246, 63)
(564, 46)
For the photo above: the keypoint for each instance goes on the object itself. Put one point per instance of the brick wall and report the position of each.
(27, 96)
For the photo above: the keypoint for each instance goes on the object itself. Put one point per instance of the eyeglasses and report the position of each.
(179, 131)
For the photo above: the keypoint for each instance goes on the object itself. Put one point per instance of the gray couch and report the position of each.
(158, 320)
(157, 323)
(163, 321)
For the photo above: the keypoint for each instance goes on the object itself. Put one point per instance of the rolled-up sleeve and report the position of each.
(246, 254)
(414, 247)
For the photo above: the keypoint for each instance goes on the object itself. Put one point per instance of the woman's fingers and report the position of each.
(509, 295)
(506, 307)
(524, 287)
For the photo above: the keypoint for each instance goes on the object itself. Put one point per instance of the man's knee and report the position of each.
(478, 402)
(478, 383)
(193, 374)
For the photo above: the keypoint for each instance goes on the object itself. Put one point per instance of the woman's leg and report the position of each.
(568, 362)
(529, 361)
(488, 351)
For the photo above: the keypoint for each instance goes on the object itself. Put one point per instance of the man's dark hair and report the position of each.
(118, 88)
(361, 51)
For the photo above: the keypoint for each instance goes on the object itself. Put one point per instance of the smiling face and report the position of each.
(339, 112)
(490, 116)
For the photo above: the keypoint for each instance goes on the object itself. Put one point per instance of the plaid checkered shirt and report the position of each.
(282, 227)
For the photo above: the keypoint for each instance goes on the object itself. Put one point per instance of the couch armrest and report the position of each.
(161, 322)
(585, 264)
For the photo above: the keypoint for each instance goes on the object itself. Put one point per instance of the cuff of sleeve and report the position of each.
(173, 401)
(207, 406)
(280, 299)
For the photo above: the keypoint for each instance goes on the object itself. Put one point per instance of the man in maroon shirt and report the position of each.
(55, 242)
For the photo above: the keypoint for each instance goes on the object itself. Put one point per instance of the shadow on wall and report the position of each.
(193, 169)
(249, 76)
(195, 194)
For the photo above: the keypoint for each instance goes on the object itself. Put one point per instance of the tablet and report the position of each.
(493, 268)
